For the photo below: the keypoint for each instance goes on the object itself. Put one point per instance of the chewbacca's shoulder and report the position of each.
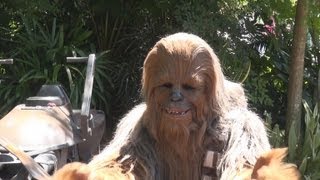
(236, 94)
(242, 116)
(243, 121)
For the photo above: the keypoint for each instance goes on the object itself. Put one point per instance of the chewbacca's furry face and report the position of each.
(178, 95)
(179, 79)
(180, 76)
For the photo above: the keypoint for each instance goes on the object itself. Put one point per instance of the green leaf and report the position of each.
(71, 84)
(315, 112)
(317, 138)
(26, 76)
(55, 74)
(61, 37)
(84, 35)
(303, 165)
(53, 29)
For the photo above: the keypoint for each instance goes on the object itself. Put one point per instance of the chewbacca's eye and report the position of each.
(167, 85)
(187, 87)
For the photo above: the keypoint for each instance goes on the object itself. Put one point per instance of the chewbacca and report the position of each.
(194, 123)
(191, 114)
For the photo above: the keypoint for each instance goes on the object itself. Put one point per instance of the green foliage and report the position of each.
(40, 58)
(257, 87)
(304, 151)
(34, 56)
(276, 135)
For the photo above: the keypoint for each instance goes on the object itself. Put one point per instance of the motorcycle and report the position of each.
(45, 130)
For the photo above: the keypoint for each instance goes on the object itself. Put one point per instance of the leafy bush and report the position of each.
(276, 134)
(257, 87)
(304, 151)
(40, 58)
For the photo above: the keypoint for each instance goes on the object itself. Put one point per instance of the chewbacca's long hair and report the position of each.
(180, 147)
(151, 148)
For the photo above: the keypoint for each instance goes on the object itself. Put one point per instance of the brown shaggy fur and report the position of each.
(190, 109)
(168, 136)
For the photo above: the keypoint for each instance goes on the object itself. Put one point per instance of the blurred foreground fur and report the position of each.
(269, 166)
(81, 171)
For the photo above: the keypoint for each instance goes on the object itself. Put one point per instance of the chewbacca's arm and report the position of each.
(236, 94)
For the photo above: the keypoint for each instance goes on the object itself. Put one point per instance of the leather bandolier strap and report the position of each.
(216, 139)
(209, 166)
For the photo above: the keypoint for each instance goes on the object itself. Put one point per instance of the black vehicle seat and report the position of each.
(49, 94)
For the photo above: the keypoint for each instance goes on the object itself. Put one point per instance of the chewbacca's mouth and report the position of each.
(176, 112)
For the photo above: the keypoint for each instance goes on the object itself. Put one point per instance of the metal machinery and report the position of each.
(47, 129)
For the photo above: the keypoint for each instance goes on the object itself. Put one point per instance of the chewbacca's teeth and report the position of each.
(175, 112)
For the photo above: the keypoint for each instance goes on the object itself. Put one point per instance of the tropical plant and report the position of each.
(304, 150)
(40, 58)
(276, 134)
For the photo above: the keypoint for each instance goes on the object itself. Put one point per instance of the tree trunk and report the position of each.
(318, 90)
(294, 105)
